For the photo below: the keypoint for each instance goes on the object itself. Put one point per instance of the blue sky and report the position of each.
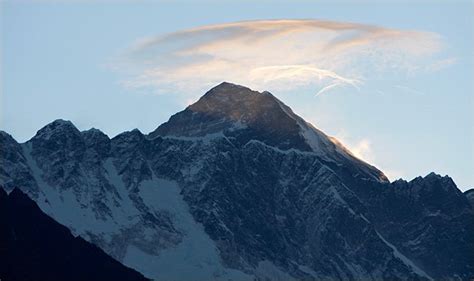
(409, 114)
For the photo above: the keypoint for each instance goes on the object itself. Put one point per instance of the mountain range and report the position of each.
(238, 187)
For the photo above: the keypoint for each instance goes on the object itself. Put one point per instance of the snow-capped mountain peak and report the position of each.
(239, 187)
(236, 111)
(242, 115)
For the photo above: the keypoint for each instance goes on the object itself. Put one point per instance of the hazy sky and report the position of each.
(392, 81)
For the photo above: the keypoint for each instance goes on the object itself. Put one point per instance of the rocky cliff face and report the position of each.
(239, 187)
(470, 196)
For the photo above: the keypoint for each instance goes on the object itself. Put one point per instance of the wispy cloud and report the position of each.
(283, 54)
(409, 90)
(363, 149)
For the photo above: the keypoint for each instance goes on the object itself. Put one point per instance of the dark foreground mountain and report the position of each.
(238, 187)
(35, 247)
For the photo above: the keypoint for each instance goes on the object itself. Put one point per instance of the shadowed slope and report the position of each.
(35, 247)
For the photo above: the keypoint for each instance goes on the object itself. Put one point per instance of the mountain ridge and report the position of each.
(257, 207)
(241, 114)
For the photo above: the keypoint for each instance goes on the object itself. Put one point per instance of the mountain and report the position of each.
(35, 247)
(470, 195)
(242, 115)
(238, 187)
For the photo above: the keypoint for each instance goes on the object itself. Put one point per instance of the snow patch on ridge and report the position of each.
(313, 139)
(342, 201)
(404, 259)
(206, 139)
(308, 132)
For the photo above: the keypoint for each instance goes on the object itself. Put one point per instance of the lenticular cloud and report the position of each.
(276, 53)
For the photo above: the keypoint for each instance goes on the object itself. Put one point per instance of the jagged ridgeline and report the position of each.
(238, 187)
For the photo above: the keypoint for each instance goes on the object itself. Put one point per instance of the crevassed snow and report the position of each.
(195, 258)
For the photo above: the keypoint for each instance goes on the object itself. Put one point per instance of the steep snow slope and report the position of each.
(196, 257)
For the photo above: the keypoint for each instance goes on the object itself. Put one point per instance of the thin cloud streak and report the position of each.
(283, 54)
(409, 90)
(327, 88)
